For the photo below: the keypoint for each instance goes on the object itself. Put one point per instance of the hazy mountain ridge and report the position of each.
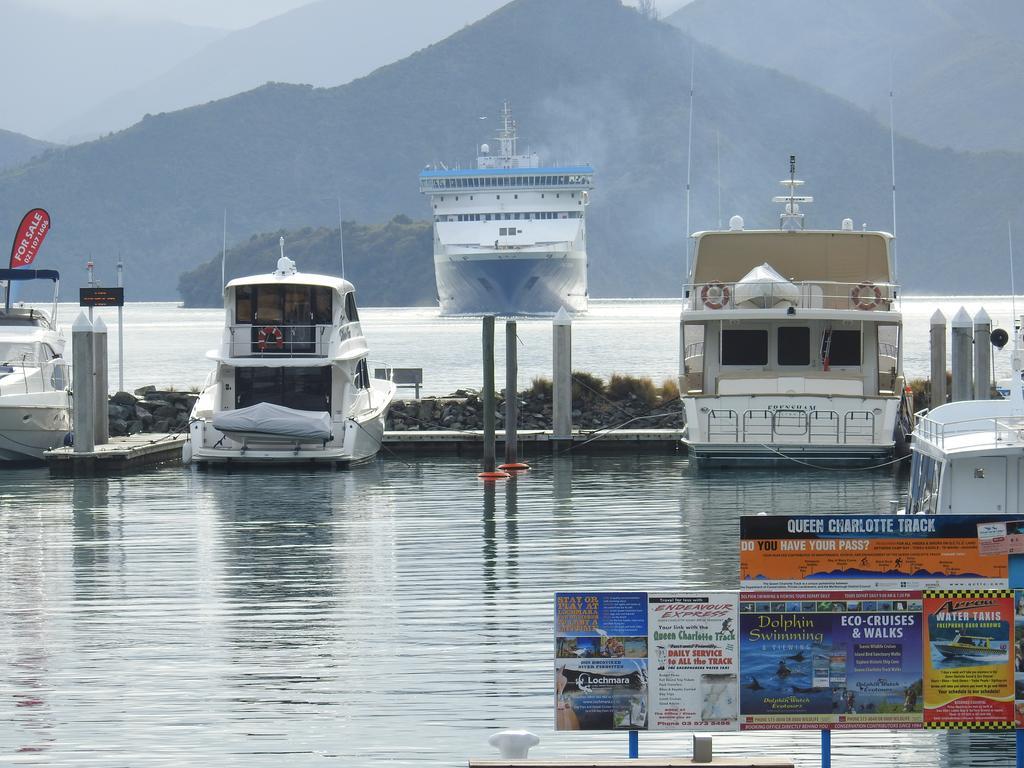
(324, 43)
(280, 156)
(955, 64)
(17, 149)
(54, 66)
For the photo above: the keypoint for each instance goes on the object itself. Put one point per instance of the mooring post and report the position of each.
(963, 368)
(561, 407)
(82, 385)
(100, 391)
(938, 348)
(488, 401)
(982, 355)
(512, 398)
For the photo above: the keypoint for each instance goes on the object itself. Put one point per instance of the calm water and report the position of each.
(166, 345)
(393, 614)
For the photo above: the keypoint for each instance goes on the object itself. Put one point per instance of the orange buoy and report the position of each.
(496, 475)
(515, 467)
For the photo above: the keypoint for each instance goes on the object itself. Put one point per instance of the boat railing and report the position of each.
(280, 340)
(788, 426)
(978, 432)
(815, 294)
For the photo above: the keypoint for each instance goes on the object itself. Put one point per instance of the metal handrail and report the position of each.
(278, 340)
(990, 429)
(833, 295)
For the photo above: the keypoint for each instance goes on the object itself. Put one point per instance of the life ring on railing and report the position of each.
(866, 296)
(714, 295)
(269, 334)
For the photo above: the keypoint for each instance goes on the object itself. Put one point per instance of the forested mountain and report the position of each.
(589, 80)
(956, 65)
(16, 148)
(54, 66)
(325, 43)
(389, 264)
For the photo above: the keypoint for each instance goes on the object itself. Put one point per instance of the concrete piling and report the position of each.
(963, 356)
(101, 422)
(561, 407)
(938, 350)
(982, 355)
(82, 385)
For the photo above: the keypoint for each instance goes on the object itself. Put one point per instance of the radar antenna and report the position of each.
(791, 220)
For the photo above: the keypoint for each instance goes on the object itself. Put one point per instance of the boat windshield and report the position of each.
(16, 352)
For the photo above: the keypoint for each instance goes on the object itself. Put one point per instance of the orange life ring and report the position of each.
(714, 295)
(860, 301)
(270, 334)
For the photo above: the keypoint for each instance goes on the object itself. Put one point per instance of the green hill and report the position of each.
(390, 264)
(589, 80)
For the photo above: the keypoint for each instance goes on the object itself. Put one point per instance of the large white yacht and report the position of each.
(790, 344)
(510, 236)
(35, 405)
(291, 383)
(968, 456)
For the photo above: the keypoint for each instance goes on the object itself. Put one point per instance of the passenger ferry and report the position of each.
(790, 344)
(510, 236)
(291, 382)
(968, 456)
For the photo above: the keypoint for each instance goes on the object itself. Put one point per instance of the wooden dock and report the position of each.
(534, 441)
(120, 455)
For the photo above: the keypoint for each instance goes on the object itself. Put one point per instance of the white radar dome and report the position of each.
(847, 225)
(485, 148)
(736, 223)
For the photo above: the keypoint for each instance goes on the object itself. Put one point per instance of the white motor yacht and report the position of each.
(968, 456)
(790, 344)
(291, 383)
(35, 405)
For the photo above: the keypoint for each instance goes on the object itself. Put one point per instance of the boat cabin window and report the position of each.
(744, 347)
(58, 375)
(350, 307)
(362, 375)
(844, 349)
(925, 475)
(283, 305)
(14, 352)
(794, 345)
(304, 389)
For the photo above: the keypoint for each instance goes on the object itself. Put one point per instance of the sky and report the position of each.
(223, 14)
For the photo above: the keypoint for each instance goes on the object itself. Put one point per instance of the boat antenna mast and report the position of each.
(507, 136)
(341, 239)
(892, 165)
(689, 154)
(791, 220)
(1017, 356)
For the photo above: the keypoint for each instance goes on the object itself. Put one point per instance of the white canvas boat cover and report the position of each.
(267, 419)
(764, 287)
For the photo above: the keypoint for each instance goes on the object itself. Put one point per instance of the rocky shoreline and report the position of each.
(164, 410)
(149, 410)
(464, 410)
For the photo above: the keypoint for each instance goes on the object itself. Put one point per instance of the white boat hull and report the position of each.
(27, 431)
(753, 430)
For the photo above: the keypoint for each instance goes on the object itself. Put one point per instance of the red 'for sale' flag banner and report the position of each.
(33, 228)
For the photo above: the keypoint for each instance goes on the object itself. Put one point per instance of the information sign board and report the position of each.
(840, 660)
(101, 297)
(694, 662)
(857, 552)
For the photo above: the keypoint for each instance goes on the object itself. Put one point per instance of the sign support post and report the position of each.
(120, 329)
(634, 744)
(826, 748)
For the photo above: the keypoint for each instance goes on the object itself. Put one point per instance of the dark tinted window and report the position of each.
(243, 304)
(305, 389)
(845, 348)
(745, 347)
(794, 346)
(322, 305)
(350, 307)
